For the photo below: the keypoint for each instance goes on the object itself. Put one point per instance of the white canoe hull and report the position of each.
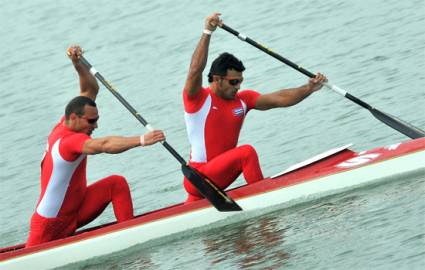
(197, 215)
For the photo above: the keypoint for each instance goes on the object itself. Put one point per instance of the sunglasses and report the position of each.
(91, 121)
(233, 82)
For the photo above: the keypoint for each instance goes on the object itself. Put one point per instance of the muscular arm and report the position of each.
(110, 145)
(282, 98)
(118, 144)
(88, 83)
(289, 97)
(197, 65)
(200, 56)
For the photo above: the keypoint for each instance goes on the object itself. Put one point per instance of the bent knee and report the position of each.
(119, 181)
(248, 150)
(118, 178)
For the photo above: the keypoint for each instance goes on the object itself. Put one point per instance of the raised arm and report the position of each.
(88, 83)
(200, 56)
(289, 97)
(118, 144)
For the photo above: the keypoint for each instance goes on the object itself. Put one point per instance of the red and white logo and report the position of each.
(359, 160)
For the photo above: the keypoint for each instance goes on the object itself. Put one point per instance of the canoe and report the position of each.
(334, 171)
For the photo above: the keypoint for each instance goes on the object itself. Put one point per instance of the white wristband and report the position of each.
(207, 32)
(142, 140)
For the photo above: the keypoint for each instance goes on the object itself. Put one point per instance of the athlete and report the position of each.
(66, 202)
(214, 115)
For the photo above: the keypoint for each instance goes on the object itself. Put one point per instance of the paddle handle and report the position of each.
(393, 122)
(133, 111)
(267, 50)
(295, 66)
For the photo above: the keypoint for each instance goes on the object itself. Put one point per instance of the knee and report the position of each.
(119, 181)
(192, 198)
(248, 151)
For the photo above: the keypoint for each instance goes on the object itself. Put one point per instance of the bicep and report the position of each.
(93, 146)
(266, 102)
(193, 85)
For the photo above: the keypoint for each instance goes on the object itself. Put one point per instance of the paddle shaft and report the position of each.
(294, 66)
(205, 186)
(130, 108)
(391, 121)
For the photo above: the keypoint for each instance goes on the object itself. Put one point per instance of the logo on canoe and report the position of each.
(393, 146)
(356, 161)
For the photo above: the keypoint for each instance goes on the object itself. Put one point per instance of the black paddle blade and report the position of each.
(210, 191)
(398, 124)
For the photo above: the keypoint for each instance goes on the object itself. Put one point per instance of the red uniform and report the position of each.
(66, 202)
(213, 126)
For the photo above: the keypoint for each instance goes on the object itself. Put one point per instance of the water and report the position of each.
(375, 51)
(324, 234)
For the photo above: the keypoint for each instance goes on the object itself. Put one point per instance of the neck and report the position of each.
(215, 88)
(69, 124)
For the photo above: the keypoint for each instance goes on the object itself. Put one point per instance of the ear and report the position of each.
(216, 78)
(73, 116)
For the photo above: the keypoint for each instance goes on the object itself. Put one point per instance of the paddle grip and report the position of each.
(268, 51)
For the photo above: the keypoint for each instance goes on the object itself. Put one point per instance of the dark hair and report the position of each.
(224, 62)
(76, 105)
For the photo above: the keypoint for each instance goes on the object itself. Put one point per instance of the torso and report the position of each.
(63, 173)
(213, 124)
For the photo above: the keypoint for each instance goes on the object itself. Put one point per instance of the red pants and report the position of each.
(225, 168)
(98, 195)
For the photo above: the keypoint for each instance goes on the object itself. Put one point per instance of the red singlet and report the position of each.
(213, 126)
(66, 203)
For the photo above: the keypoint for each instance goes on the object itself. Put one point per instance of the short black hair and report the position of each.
(76, 105)
(224, 62)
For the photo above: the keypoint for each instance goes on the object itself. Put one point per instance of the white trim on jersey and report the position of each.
(244, 107)
(57, 186)
(195, 126)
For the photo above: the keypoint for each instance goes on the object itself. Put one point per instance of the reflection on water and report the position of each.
(345, 231)
(252, 244)
(134, 258)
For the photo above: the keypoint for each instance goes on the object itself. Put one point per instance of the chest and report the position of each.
(227, 113)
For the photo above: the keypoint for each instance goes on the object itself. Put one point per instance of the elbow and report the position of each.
(108, 148)
(95, 89)
(105, 147)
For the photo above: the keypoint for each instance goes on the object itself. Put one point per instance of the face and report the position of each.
(228, 86)
(87, 122)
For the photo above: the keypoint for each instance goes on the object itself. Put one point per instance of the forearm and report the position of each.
(289, 97)
(197, 65)
(200, 56)
(116, 144)
(283, 98)
(292, 96)
(88, 83)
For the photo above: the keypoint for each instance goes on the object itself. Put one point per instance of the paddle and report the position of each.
(392, 121)
(205, 186)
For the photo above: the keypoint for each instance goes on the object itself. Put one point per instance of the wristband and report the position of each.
(207, 32)
(142, 140)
